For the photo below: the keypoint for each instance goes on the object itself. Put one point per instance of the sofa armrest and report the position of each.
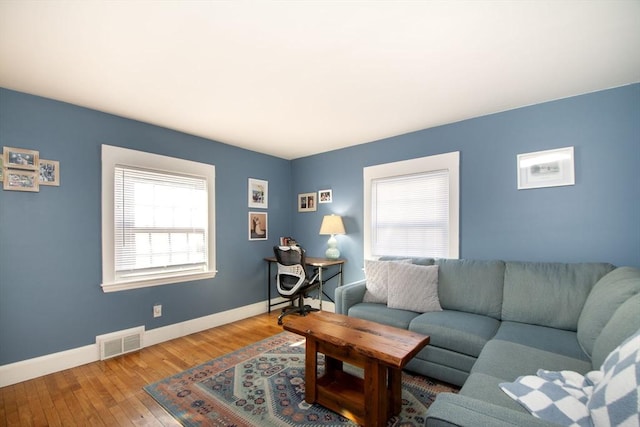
(348, 295)
(451, 409)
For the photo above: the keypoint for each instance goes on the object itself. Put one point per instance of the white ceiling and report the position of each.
(295, 78)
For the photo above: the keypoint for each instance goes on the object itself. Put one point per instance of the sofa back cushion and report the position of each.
(624, 322)
(549, 294)
(606, 296)
(471, 286)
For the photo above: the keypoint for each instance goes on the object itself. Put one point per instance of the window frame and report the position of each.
(447, 161)
(112, 156)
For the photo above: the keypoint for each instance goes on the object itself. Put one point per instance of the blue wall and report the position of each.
(598, 219)
(50, 244)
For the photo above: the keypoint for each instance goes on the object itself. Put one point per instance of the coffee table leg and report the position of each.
(375, 391)
(395, 384)
(310, 370)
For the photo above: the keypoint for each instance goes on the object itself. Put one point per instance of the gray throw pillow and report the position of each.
(414, 287)
(377, 276)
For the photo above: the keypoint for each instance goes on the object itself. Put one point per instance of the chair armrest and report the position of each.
(349, 295)
(451, 409)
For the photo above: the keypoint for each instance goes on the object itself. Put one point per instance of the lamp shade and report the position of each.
(332, 224)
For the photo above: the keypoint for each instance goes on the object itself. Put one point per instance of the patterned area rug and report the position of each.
(263, 385)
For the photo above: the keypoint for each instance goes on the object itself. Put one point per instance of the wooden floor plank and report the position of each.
(109, 393)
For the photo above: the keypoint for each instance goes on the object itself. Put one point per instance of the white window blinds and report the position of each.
(410, 215)
(160, 223)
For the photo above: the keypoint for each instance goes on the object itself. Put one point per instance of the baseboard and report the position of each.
(38, 366)
(25, 370)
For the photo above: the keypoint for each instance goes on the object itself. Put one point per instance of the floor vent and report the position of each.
(121, 342)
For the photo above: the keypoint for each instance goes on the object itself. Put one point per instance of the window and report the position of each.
(157, 219)
(411, 208)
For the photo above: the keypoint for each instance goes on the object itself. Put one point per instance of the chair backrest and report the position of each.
(291, 269)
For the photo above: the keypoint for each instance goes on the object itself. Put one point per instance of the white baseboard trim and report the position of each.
(25, 370)
(38, 366)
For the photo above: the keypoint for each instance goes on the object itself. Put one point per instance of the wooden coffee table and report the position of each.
(381, 350)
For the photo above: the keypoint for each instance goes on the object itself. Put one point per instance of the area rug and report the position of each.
(263, 385)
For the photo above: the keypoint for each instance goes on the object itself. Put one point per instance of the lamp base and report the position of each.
(332, 250)
(332, 253)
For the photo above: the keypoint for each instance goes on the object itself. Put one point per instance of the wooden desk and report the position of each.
(380, 349)
(320, 263)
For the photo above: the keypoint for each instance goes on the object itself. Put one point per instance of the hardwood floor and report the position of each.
(109, 393)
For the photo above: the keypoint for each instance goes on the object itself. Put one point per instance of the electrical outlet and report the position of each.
(157, 310)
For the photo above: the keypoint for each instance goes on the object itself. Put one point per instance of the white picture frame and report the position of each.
(548, 168)
(258, 226)
(307, 202)
(258, 193)
(325, 196)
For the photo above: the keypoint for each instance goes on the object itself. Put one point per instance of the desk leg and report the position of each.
(311, 371)
(269, 286)
(320, 293)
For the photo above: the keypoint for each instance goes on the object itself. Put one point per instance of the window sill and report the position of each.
(146, 283)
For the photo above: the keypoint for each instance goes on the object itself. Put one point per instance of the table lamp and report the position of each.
(332, 225)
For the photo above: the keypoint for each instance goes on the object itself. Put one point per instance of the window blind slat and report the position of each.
(410, 215)
(160, 222)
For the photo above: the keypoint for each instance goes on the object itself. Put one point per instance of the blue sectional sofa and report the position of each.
(501, 320)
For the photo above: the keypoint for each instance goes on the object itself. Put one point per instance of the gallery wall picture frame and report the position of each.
(548, 168)
(49, 172)
(307, 202)
(19, 158)
(21, 180)
(1, 168)
(258, 226)
(325, 196)
(258, 193)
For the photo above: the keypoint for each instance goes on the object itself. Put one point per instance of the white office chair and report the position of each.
(293, 281)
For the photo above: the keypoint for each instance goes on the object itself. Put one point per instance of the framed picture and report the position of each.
(258, 226)
(49, 172)
(258, 193)
(21, 180)
(1, 168)
(325, 196)
(549, 168)
(18, 158)
(307, 202)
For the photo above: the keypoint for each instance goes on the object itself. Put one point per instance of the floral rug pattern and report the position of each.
(263, 385)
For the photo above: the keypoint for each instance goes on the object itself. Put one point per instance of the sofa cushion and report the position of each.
(486, 388)
(382, 314)
(465, 333)
(509, 360)
(426, 367)
(606, 296)
(548, 294)
(624, 322)
(542, 337)
(377, 276)
(413, 287)
(471, 286)
(446, 357)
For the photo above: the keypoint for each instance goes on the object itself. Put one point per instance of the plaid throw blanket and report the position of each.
(603, 398)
